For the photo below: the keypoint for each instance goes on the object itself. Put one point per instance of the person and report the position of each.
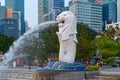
(100, 63)
(97, 64)
(87, 63)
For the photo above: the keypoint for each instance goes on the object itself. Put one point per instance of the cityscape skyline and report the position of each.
(31, 11)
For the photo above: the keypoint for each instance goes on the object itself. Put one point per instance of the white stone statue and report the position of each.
(67, 36)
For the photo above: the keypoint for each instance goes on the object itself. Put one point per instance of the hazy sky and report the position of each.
(31, 10)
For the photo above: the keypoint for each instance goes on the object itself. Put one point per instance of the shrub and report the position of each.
(93, 68)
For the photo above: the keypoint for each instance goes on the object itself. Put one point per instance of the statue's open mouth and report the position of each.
(62, 22)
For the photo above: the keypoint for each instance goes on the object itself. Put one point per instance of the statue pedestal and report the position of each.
(56, 65)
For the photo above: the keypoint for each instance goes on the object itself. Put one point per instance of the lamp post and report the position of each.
(19, 21)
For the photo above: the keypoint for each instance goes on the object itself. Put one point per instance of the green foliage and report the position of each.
(110, 32)
(34, 47)
(118, 63)
(107, 47)
(5, 42)
(50, 40)
(113, 33)
(43, 46)
(92, 68)
(85, 48)
(108, 60)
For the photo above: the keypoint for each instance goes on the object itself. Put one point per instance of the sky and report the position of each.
(31, 10)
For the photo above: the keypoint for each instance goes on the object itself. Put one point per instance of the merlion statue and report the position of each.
(67, 36)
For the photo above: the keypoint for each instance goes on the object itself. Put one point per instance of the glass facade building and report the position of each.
(2, 11)
(118, 10)
(9, 27)
(88, 12)
(42, 10)
(54, 8)
(17, 5)
(109, 10)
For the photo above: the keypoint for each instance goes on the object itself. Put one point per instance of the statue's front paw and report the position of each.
(57, 33)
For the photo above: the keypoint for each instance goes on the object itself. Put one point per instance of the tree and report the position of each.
(113, 33)
(33, 47)
(5, 42)
(85, 49)
(43, 46)
(108, 48)
(110, 32)
(50, 41)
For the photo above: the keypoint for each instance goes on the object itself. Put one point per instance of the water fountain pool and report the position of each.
(2, 66)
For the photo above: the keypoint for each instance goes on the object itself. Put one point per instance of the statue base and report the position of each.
(57, 65)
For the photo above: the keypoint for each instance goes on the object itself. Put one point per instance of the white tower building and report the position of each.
(118, 10)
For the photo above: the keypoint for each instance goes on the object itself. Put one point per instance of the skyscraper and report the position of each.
(54, 8)
(10, 3)
(109, 8)
(118, 10)
(88, 12)
(9, 27)
(2, 11)
(42, 10)
(17, 5)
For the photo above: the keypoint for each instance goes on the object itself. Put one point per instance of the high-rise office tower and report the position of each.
(42, 10)
(18, 6)
(118, 10)
(54, 8)
(109, 8)
(2, 11)
(9, 27)
(88, 12)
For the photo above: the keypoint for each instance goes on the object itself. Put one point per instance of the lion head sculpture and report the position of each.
(67, 24)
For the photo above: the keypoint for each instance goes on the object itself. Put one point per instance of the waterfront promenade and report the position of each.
(35, 73)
